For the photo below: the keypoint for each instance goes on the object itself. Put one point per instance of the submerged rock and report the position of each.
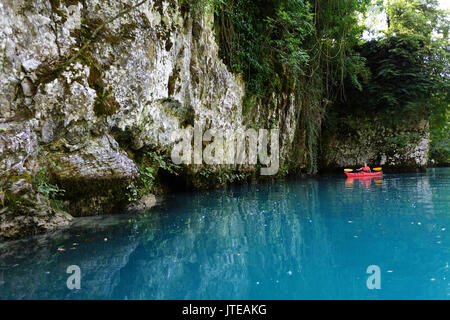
(145, 203)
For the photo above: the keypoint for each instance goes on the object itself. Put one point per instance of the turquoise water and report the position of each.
(304, 239)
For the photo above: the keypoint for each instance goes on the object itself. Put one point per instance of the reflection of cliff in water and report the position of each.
(229, 247)
(213, 244)
(289, 240)
(36, 268)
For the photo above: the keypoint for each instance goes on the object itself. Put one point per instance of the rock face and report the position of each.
(23, 210)
(352, 142)
(87, 85)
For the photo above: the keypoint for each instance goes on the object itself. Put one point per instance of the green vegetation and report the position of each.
(440, 129)
(315, 50)
(43, 185)
(301, 48)
(18, 200)
(408, 64)
(224, 176)
(408, 75)
(53, 192)
(151, 163)
(270, 41)
(208, 177)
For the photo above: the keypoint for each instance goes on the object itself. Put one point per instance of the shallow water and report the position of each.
(304, 239)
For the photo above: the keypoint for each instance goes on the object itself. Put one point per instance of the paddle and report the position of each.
(374, 169)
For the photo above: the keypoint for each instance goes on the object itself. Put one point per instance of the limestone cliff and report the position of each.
(351, 141)
(87, 87)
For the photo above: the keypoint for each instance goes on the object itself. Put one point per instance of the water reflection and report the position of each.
(307, 239)
(366, 182)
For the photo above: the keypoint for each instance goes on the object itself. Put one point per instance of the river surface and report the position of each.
(305, 239)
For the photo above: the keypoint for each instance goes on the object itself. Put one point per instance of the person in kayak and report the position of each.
(365, 168)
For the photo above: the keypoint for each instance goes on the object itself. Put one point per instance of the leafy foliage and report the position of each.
(315, 50)
(421, 18)
(440, 129)
(296, 47)
(42, 182)
(409, 71)
(151, 163)
(401, 78)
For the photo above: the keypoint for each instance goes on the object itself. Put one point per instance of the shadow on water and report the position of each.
(306, 239)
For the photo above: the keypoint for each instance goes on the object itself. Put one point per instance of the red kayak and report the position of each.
(363, 174)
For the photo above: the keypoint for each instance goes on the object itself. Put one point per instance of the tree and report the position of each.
(422, 21)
